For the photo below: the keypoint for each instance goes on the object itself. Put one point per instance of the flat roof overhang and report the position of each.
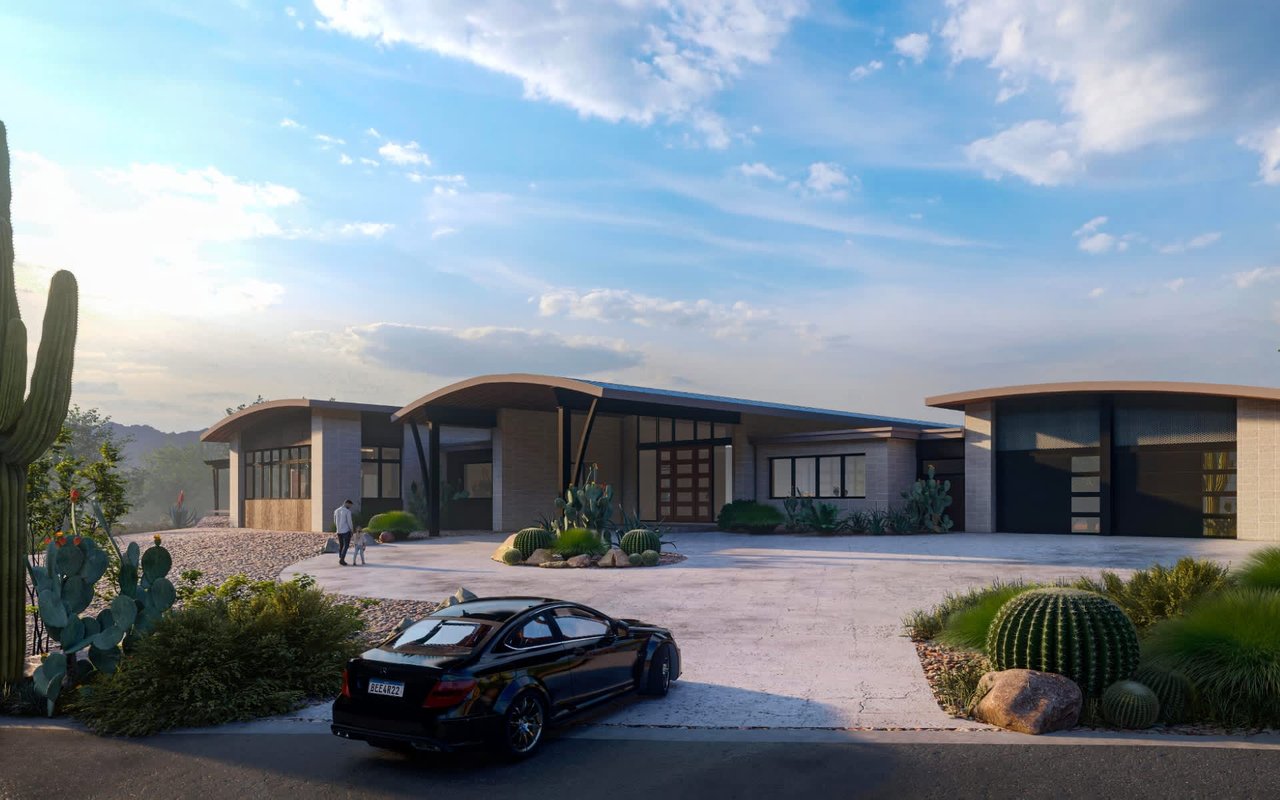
(227, 427)
(476, 401)
(958, 400)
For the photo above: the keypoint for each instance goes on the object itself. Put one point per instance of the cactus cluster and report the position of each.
(531, 539)
(1129, 704)
(589, 505)
(927, 502)
(635, 560)
(650, 558)
(511, 556)
(640, 540)
(27, 425)
(1173, 689)
(1071, 632)
(65, 586)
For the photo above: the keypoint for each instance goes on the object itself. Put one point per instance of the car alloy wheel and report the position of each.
(525, 722)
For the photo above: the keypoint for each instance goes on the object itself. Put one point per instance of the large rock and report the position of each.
(506, 545)
(583, 560)
(330, 546)
(386, 537)
(614, 558)
(463, 595)
(554, 564)
(369, 539)
(1027, 701)
(539, 557)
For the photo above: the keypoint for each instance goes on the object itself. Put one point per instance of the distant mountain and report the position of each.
(145, 439)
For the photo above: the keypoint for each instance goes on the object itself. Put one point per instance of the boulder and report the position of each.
(417, 536)
(583, 560)
(507, 543)
(553, 564)
(330, 546)
(386, 537)
(369, 539)
(539, 557)
(1027, 701)
(615, 558)
(460, 596)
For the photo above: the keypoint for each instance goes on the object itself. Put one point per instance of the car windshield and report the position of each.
(442, 633)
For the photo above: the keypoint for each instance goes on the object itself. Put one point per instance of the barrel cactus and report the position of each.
(1129, 704)
(1071, 632)
(512, 556)
(1173, 689)
(531, 539)
(635, 560)
(639, 540)
(27, 425)
(649, 558)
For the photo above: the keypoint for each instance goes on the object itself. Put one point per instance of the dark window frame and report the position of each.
(818, 495)
(266, 472)
(381, 459)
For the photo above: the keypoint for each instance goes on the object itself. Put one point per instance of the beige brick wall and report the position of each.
(1258, 470)
(524, 467)
(979, 468)
(890, 469)
(335, 464)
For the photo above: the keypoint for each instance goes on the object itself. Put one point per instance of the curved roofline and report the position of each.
(958, 400)
(550, 381)
(223, 429)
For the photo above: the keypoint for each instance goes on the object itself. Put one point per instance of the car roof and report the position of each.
(493, 609)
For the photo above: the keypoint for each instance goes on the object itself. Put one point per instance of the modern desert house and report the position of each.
(1125, 458)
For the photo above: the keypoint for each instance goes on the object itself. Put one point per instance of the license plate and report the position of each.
(386, 688)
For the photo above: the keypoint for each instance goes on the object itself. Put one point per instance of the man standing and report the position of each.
(345, 526)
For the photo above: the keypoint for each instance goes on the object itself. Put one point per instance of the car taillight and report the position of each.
(448, 693)
(346, 683)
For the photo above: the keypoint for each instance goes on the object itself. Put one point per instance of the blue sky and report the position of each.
(850, 205)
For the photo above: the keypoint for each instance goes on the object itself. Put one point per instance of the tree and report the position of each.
(172, 469)
(243, 406)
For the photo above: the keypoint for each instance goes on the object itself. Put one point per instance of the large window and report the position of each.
(279, 473)
(477, 479)
(379, 472)
(818, 476)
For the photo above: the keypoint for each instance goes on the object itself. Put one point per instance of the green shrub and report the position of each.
(955, 685)
(241, 651)
(1158, 593)
(579, 541)
(1261, 570)
(926, 624)
(398, 522)
(966, 628)
(1229, 647)
(748, 516)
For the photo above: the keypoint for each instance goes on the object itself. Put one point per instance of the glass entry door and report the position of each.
(685, 480)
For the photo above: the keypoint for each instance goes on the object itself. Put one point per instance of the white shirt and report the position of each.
(342, 520)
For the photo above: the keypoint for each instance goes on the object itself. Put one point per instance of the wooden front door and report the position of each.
(685, 476)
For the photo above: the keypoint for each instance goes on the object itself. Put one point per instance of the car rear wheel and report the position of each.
(523, 725)
(658, 679)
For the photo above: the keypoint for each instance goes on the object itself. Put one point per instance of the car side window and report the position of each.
(577, 624)
(536, 631)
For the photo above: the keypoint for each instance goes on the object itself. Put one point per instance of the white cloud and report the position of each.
(369, 162)
(372, 229)
(344, 159)
(828, 179)
(373, 132)
(1091, 238)
(1244, 280)
(404, 154)
(443, 231)
(1176, 284)
(1096, 293)
(289, 123)
(1267, 144)
(914, 46)
(625, 60)
(1037, 151)
(328, 141)
(759, 170)
(1128, 75)
(132, 235)
(865, 70)
(1194, 243)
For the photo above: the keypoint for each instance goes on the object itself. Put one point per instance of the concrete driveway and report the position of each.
(776, 631)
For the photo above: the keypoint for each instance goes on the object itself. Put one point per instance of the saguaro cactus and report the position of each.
(27, 425)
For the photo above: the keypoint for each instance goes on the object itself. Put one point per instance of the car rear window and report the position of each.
(442, 633)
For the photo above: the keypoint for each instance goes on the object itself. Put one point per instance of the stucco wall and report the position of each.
(235, 485)
(335, 464)
(1258, 470)
(979, 468)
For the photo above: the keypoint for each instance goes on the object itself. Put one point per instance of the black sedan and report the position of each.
(496, 671)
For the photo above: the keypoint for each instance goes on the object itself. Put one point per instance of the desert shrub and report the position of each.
(1158, 593)
(1261, 570)
(236, 652)
(955, 685)
(966, 627)
(1229, 647)
(926, 624)
(398, 522)
(749, 516)
(579, 541)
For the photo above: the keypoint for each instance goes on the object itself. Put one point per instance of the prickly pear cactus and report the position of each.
(1129, 704)
(511, 556)
(639, 540)
(1173, 689)
(1071, 632)
(531, 539)
(27, 425)
(650, 558)
(927, 502)
(588, 505)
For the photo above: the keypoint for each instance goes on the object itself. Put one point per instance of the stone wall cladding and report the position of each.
(335, 465)
(1258, 470)
(884, 478)
(979, 468)
(524, 464)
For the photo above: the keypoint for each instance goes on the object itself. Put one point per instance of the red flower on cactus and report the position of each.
(46, 541)
(75, 495)
(156, 539)
(182, 495)
(76, 541)
(60, 541)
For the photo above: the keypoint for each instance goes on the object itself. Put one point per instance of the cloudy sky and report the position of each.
(850, 205)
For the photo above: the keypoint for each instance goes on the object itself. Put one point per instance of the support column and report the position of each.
(433, 477)
(979, 468)
(564, 459)
(584, 441)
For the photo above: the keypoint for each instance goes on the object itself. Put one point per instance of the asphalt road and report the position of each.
(53, 763)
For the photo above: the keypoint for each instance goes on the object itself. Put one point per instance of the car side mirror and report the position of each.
(620, 629)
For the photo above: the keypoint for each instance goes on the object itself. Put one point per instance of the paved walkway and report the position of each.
(776, 631)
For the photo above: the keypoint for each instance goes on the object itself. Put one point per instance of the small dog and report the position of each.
(357, 547)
